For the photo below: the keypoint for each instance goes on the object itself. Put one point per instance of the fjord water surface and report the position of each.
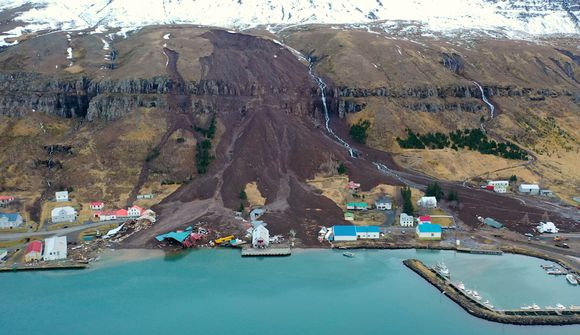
(311, 292)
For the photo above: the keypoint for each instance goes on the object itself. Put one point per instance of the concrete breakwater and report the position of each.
(516, 317)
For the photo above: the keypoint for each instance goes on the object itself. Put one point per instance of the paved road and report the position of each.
(64, 231)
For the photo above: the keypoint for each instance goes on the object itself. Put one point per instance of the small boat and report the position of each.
(550, 307)
(571, 279)
(476, 295)
(348, 254)
(535, 306)
(560, 307)
(442, 269)
(574, 307)
(461, 286)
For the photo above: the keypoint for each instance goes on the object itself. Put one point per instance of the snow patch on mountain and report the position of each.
(513, 18)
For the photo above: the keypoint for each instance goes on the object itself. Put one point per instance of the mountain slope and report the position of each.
(506, 17)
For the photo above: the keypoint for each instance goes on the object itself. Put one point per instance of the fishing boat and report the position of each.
(533, 306)
(571, 279)
(476, 295)
(488, 304)
(348, 254)
(460, 285)
(442, 269)
(560, 307)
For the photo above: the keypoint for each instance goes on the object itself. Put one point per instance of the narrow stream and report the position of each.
(491, 106)
(322, 87)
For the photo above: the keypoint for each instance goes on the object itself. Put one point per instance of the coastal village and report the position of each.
(385, 217)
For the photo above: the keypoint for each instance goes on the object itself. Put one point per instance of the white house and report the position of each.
(260, 237)
(10, 220)
(499, 186)
(54, 248)
(547, 227)
(529, 188)
(96, 205)
(61, 196)
(106, 215)
(6, 199)
(428, 231)
(427, 202)
(134, 211)
(368, 232)
(384, 203)
(406, 220)
(63, 214)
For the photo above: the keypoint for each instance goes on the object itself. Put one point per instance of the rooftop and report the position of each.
(10, 216)
(429, 228)
(344, 230)
(357, 204)
(367, 229)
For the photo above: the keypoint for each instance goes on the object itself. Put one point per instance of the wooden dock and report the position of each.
(43, 266)
(480, 251)
(248, 251)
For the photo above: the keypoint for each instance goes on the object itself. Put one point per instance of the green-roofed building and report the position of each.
(348, 216)
(357, 206)
(492, 223)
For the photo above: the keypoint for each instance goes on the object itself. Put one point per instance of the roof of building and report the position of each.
(121, 212)
(34, 246)
(6, 197)
(357, 204)
(532, 186)
(424, 218)
(383, 199)
(66, 210)
(348, 215)
(137, 207)
(96, 203)
(367, 229)
(492, 223)
(61, 193)
(10, 216)
(57, 243)
(429, 228)
(406, 216)
(179, 236)
(352, 184)
(344, 230)
(428, 198)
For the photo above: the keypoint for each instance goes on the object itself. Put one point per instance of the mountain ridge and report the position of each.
(509, 18)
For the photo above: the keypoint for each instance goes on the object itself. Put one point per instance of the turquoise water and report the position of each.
(311, 292)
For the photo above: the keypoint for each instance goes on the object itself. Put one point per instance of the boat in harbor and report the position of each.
(442, 269)
(476, 295)
(460, 285)
(488, 304)
(348, 254)
(529, 307)
(572, 279)
(560, 307)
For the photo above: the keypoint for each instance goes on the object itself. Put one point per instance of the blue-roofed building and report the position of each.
(428, 231)
(344, 233)
(10, 220)
(368, 232)
(352, 233)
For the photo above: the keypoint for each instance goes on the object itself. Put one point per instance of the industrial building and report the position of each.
(428, 231)
(55, 248)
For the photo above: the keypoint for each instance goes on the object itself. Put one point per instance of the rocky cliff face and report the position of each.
(83, 97)
(439, 98)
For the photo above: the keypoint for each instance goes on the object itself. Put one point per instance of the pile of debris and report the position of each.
(130, 227)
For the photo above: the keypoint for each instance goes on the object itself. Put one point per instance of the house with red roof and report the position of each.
(97, 205)
(353, 186)
(424, 219)
(33, 251)
(134, 211)
(6, 199)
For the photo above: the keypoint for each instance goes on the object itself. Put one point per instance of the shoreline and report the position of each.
(514, 317)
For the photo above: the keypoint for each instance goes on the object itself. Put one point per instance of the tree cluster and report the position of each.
(407, 202)
(358, 131)
(472, 139)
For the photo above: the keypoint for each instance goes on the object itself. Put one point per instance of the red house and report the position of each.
(33, 251)
(424, 218)
(6, 199)
(97, 205)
